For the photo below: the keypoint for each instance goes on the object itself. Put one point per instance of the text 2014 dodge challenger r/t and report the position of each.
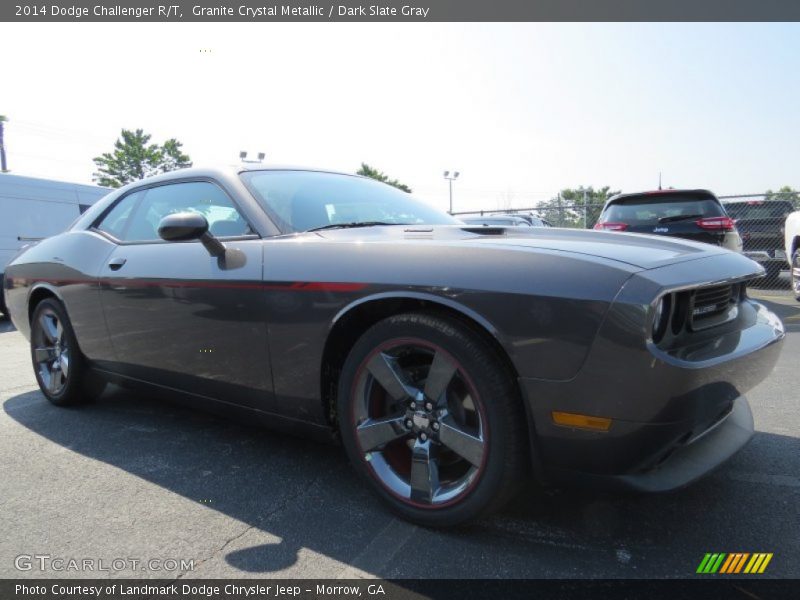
(452, 361)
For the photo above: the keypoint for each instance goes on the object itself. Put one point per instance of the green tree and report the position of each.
(134, 157)
(567, 209)
(374, 173)
(785, 193)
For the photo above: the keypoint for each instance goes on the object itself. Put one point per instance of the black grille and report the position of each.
(711, 302)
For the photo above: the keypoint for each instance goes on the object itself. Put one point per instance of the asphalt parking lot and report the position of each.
(134, 477)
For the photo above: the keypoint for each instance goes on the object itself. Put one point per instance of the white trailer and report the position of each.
(32, 209)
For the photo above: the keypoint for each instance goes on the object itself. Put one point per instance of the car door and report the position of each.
(178, 316)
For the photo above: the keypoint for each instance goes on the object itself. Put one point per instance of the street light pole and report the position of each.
(451, 177)
(450, 185)
(3, 165)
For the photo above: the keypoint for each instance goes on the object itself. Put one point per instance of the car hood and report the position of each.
(637, 250)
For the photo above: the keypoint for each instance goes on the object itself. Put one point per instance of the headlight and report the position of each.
(661, 317)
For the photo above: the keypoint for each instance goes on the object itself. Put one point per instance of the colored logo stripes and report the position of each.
(735, 562)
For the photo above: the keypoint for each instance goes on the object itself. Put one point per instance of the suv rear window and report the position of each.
(759, 209)
(655, 209)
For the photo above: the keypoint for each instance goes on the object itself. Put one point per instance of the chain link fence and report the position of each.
(759, 220)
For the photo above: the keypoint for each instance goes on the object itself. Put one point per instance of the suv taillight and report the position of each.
(716, 223)
(611, 226)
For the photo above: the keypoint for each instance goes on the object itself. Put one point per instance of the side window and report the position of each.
(196, 196)
(116, 221)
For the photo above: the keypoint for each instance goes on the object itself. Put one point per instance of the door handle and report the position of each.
(115, 264)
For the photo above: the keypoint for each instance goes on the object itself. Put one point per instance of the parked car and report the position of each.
(33, 209)
(497, 221)
(760, 224)
(690, 214)
(792, 249)
(506, 221)
(451, 363)
(534, 220)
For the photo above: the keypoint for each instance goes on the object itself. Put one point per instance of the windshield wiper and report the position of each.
(353, 224)
(678, 218)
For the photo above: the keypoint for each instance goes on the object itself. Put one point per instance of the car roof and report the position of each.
(223, 172)
(671, 192)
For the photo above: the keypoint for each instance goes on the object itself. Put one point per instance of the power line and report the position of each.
(54, 131)
(50, 158)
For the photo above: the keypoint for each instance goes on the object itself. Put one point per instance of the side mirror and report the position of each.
(181, 227)
(186, 226)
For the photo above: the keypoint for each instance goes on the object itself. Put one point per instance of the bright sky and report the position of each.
(521, 110)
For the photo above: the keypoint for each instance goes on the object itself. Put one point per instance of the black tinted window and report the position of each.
(651, 210)
(303, 200)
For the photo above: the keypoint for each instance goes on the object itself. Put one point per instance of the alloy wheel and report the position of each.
(51, 352)
(419, 423)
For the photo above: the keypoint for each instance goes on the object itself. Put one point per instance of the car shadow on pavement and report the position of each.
(304, 495)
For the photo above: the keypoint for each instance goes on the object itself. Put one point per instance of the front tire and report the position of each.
(430, 415)
(60, 368)
(796, 274)
(3, 307)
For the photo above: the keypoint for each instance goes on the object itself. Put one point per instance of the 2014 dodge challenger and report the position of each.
(452, 361)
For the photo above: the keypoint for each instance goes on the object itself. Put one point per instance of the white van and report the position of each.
(32, 209)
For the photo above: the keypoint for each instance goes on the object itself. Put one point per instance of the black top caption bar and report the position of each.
(400, 10)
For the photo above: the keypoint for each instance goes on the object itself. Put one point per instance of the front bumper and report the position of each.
(675, 414)
(684, 463)
(765, 255)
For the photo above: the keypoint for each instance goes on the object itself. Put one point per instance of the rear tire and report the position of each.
(431, 417)
(60, 368)
(773, 275)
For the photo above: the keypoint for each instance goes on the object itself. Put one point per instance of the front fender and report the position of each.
(423, 297)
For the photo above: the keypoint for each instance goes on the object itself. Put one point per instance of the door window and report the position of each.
(141, 225)
(116, 221)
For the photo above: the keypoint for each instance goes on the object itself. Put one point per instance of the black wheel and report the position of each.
(59, 366)
(432, 418)
(796, 274)
(3, 308)
(773, 275)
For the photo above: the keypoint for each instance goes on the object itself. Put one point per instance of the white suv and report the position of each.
(792, 237)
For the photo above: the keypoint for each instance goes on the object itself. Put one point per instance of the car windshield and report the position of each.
(304, 200)
(655, 209)
(759, 209)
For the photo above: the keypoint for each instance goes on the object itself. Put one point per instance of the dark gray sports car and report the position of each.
(453, 362)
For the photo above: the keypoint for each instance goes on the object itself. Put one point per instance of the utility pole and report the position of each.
(3, 165)
(585, 223)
